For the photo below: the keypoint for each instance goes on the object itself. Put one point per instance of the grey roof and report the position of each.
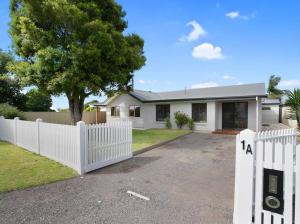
(220, 92)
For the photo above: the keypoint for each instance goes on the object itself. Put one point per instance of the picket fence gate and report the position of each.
(267, 178)
(81, 147)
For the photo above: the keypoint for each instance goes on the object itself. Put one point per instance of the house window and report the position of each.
(115, 111)
(134, 111)
(266, 108)
(162, 112)
(199, 112)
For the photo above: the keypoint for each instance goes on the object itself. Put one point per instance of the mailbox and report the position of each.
(273, 191)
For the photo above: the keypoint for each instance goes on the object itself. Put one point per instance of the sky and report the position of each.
(204, 43)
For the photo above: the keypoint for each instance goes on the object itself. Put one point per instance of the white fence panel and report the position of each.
(107, 144)
(59, 142)
(7, 129)
(27, 135)
(275, 151)
(82, 147)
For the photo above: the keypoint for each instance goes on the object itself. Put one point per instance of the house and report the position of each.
(233, 107)
(271, 111)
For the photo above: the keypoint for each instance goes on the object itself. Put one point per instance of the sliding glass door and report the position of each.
(235, 115)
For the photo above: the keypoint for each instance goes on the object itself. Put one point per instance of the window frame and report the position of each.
(116, 111)
(199, 111)
(166, 113)
(134, 111)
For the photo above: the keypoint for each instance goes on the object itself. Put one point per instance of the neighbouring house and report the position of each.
(271, 111)
(233, 107)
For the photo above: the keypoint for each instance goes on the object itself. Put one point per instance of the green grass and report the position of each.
(21, 169)
(145, 138)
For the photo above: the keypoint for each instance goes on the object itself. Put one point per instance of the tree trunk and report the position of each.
(76, 106)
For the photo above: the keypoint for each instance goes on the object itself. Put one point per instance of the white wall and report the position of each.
(148, 113)
(124, 101)
(270, 116)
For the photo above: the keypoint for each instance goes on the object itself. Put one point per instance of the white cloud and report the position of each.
(207, 51)
(142, 81)
(290, 83)
(237, 15)
(195, 34)
(240, 83)
(226, 77)
(233, 14)
(204, 85)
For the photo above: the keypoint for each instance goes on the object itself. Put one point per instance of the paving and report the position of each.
(190, 180)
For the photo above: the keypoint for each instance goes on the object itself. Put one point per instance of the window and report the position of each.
(266, 108)
(162, 112)
(115, 111)
(199, 112)
(134, 111)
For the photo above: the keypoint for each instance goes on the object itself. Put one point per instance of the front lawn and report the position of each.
(145, 138)
(20, 169)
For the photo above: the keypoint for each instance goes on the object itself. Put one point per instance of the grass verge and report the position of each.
(21, 169)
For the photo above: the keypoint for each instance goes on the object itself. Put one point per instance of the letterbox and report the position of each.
(273, 191)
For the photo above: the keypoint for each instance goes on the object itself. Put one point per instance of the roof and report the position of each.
(268, 101)
(219, 92)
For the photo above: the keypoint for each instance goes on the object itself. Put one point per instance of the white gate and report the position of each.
(267, 181)
(107, 143)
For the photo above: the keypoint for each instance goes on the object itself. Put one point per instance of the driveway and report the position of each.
(190, 180)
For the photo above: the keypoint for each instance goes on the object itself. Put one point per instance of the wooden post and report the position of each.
(244, 168)
(81, 128)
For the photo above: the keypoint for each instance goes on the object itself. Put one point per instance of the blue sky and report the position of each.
(195, 43)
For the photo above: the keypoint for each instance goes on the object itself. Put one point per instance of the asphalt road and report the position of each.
(190, 180)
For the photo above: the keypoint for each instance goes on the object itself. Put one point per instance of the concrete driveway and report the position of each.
(190, 180)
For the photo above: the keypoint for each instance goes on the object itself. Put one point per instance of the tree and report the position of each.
(293, 102)
(74, 47)
(38, 101)
(273, 90)
(10, 88)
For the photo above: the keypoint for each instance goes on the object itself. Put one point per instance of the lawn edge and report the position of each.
(148, 148)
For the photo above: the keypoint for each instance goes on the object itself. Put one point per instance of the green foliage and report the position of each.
(168, 123)
(293, 102)
(273, 90)
(10, 88)
(5, 59)
(76, 48)
(191, 123)
(87, 106)
(181, 119)
(38, 101)
(10, 112)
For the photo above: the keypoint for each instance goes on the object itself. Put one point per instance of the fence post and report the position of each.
(81, 128)
(38, 134)
(1, 119)
(244, 168)
(16, 130)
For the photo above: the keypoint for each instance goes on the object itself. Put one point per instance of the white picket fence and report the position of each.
(82, 147)
(275, 151)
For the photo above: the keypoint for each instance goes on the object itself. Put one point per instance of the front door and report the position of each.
(235, 115)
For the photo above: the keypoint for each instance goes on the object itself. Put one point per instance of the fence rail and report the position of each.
(259, 157)
(82, 147)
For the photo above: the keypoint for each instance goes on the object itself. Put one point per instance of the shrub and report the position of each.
(10, 112)
(181, 119)
(168, 123)
(191, 123)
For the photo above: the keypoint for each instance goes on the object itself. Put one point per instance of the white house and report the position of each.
(216, 108)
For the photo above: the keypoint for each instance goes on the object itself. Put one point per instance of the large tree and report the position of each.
(74, 47)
